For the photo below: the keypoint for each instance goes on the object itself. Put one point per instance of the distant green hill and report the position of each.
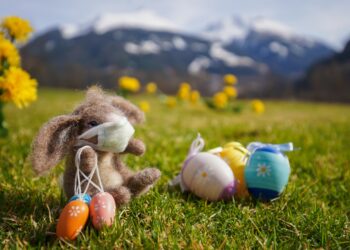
(328, 80)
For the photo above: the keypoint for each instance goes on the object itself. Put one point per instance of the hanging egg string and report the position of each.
(78, 183)
(102, 205)
(75, 214)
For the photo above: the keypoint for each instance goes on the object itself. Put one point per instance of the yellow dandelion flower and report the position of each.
(151, 88)
(8, 53)
(195, 96)
(220, 100)
(144, 106)
(184, 92)
(18, 87)
(258, 106)
(17, 27)
(230, 79)
(186, 86)
(171, 101)
(230, 91)
(128, 83)
(2, 36)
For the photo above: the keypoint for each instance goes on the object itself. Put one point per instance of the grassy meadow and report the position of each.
(313, 212)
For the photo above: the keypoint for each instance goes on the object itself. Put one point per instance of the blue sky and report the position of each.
(327, 20)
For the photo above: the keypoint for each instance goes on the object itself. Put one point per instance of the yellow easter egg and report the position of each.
(236, 155)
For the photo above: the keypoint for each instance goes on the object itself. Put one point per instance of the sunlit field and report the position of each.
(313, 212)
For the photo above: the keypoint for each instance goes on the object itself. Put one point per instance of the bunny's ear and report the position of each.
(131, 111)
(52, 142)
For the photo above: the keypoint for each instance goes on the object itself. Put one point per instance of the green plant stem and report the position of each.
(3, 129)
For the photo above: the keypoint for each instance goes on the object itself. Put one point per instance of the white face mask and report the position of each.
(111, 136)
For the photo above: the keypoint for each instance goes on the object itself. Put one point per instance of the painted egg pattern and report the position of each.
(236, 157)
(102, 210)
(208, 176)
(72, 219)
(267, 173)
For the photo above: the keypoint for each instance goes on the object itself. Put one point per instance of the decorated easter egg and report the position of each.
(72, 219)
(208, 176)
(236, 155)
(102, 210)
(267, 173)
(85, 197)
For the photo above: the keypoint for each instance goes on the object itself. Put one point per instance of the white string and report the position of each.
(196, 146)
(77, 181)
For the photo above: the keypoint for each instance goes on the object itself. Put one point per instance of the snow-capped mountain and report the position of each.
(226, 30)
(143, 19)
(266, 41)
(154, 48)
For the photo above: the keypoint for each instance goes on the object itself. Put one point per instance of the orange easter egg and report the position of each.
(102, 210)
(72, 219)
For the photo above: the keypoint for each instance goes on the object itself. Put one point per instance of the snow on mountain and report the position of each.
(179, 43)
(238, 29)
(143, 19)
(230, 59)
(268, 26)
(69, 31)
(226, 30)
(198, 65)
(145, 47)
(279, 49)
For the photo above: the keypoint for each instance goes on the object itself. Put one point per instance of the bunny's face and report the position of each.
(58, 136)
(95, 115)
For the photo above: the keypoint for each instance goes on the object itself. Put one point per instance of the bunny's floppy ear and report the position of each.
(52, 142)
(131, 111)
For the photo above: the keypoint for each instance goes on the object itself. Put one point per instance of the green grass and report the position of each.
(313, 212)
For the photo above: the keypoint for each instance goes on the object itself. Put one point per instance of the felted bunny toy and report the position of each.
(104, 123)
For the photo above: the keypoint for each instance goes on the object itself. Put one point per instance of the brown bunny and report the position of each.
(59, 136)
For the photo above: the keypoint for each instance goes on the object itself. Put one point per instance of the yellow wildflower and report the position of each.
(144, 106)
(171, 101)
(195, 96)
(258, 106)
(151, 88)
(18, 87)
(185, 85)
(230, 91)
(220, 100)
(184, 91)
(230, 79)
(128, 83)
(17, 27)
(9, 53)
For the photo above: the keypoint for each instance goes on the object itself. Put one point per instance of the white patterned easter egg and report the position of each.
(208, 176)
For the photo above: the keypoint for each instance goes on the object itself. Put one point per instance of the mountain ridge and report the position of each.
(152, 45)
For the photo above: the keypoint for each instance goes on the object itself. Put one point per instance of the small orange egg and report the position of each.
(102, 210)
(72, 219)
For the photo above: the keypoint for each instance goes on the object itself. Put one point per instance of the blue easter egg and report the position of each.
(86, 198)
(267, 173)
